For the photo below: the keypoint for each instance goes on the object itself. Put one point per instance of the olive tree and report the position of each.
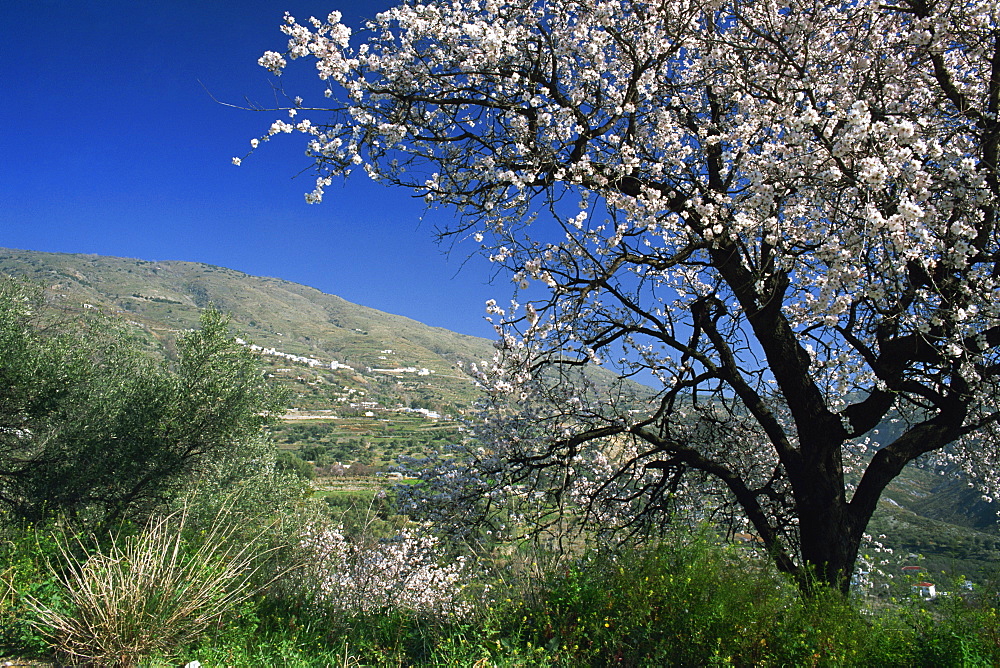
(781, 215)
(94, 429)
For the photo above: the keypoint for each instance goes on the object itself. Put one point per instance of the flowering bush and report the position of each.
(368, 576)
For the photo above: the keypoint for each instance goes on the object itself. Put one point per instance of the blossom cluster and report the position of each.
(850, 189)
(364, 575)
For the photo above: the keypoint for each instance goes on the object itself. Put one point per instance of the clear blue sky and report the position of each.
(110, 145)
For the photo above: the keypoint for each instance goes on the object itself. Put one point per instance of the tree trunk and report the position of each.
(830, 538)
(830, 530)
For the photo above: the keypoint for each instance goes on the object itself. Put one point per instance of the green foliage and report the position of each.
(289, 461)
(95, 430)
(698, 603)
(689, 601)
(665, 604)
(25, 576)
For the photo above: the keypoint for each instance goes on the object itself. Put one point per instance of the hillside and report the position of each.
(387, 359)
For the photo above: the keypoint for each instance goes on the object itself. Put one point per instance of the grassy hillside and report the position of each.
(162, 298)
(943, 521)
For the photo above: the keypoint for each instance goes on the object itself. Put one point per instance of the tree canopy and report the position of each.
(783, 215)
(95, 429)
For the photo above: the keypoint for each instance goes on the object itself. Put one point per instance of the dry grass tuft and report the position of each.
(147, 594)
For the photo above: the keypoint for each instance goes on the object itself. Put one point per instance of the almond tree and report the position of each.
(781, 214)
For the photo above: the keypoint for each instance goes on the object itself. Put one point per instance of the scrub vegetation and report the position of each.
(236, 561)
(163, 595)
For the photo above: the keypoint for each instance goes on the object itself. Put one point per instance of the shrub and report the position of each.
(25, 576)
(662, 604)
(95, 430)
(146, 594)
(365, 575)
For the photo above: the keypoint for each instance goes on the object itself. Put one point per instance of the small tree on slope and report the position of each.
(785, 214)
(94, 430)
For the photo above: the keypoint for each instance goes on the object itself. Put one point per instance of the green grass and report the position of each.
(693, 604)
(686, 602)
(142, 595)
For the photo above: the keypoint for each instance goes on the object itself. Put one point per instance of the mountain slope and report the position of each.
(164, 297)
